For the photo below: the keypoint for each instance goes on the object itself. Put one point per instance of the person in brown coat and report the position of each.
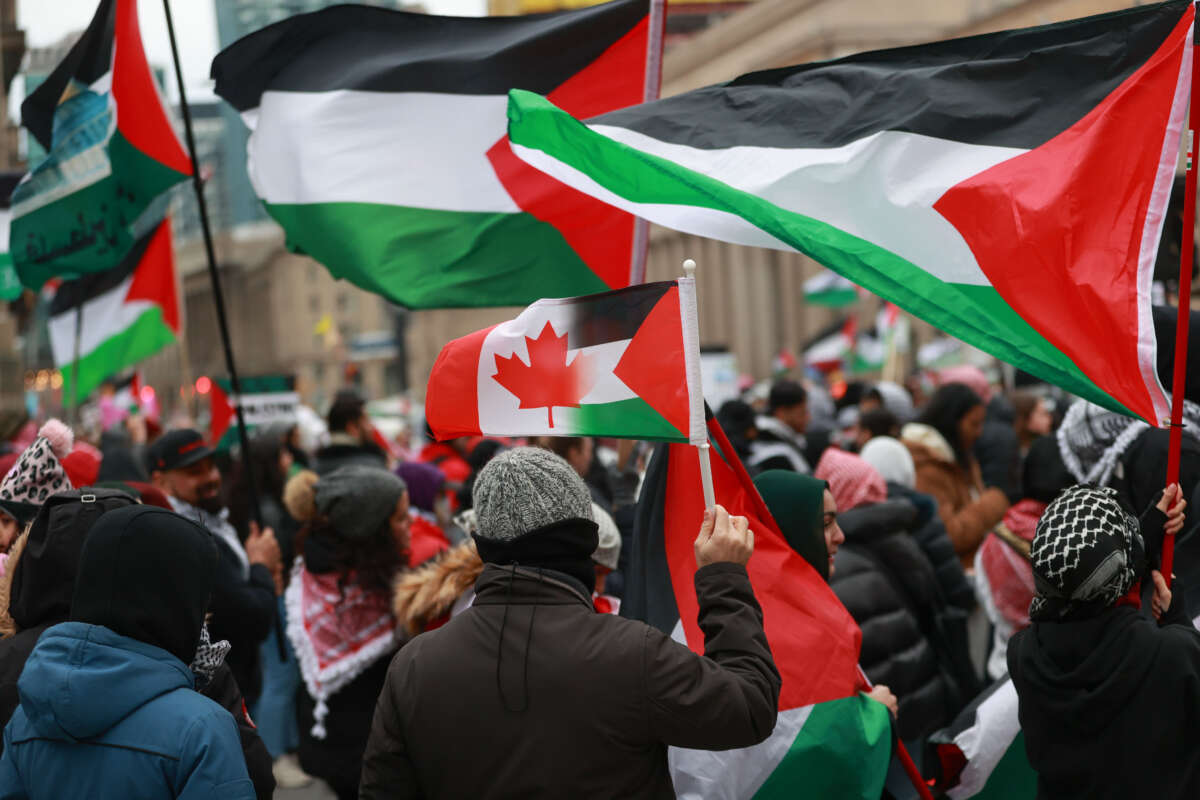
(941, 443)
(531, 693)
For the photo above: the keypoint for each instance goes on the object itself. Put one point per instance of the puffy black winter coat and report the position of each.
(930, 533)
(887, 583)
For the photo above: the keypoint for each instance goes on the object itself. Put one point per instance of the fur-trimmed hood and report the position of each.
(924, 441)
(426, 594)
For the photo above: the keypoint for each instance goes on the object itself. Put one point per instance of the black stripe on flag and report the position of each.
(89, 59)
(649, 595)
(72, 294)
(380, 50)
(1015, 88)
(612, 316)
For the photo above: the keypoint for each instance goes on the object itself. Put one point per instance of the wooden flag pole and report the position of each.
(1186, 251)
(703, 451)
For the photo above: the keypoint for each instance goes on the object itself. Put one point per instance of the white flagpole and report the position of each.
(703, 451)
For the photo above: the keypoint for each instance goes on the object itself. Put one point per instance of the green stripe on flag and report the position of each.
(842, 751)
(975, 314)
(489, 259)
(632, 419)
(146, 336)
(76, 234)
(1012, 778)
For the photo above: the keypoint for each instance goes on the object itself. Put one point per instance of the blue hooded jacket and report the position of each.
(106, 716)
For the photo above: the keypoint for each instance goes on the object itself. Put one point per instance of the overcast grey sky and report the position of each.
(47, 21)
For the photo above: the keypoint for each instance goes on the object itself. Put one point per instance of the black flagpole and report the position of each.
(218, 298)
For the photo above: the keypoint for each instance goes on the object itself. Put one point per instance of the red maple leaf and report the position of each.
(547, 380)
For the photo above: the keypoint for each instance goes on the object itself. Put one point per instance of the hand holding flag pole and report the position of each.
(703, 451)
(1178, 384)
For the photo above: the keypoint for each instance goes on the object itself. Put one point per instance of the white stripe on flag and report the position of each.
(103, 317)
(417, 149)
(499, 409)
(986, 742)
(734, 774)
(880, 188)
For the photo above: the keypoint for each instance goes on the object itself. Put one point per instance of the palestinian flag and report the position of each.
(982, 753)
(112, 156)
(1007, 188)
(378, 143)
(129, 314)
(827, 288)
(835, 348)
(623, 363)
(829, 741)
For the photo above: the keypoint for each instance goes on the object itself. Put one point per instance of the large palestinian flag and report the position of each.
(1008, 188)
(378, 142)
(621, 363)
(829, 741)
(128, 314)
(112, 155)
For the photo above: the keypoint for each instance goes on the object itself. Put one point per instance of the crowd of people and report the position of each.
(444, 620)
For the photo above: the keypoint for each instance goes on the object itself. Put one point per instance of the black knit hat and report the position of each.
(148, 574)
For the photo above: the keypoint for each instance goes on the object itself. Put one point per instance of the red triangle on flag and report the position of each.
(220, 413)
(141, 117)
(154, 279)
(1045, 226)
(653, 365)
(600, 234)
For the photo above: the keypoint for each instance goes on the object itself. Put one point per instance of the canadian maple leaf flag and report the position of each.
(624, 363)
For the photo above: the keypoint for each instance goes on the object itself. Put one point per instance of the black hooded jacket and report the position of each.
(887, 585)
(43, 579)
(1110, 706)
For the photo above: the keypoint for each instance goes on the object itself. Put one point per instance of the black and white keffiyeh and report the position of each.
(1092, 439)
(209, 656)
(1087, 553)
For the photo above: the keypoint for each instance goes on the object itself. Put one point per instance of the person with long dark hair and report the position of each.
(942, 441)
(353, 545)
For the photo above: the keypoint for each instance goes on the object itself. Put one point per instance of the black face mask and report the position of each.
(564, 547)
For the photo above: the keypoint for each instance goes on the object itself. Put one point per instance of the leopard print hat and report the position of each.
(38, 473)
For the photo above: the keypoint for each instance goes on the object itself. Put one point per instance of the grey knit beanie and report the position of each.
(358, 499)
(527, 488)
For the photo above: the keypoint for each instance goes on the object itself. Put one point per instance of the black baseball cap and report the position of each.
(177, 449)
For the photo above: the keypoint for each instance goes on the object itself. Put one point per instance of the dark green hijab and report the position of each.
(797, 502)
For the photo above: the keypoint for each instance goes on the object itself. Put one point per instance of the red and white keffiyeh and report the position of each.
(337, 631)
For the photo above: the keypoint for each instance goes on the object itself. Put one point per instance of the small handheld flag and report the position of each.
(623, 363)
